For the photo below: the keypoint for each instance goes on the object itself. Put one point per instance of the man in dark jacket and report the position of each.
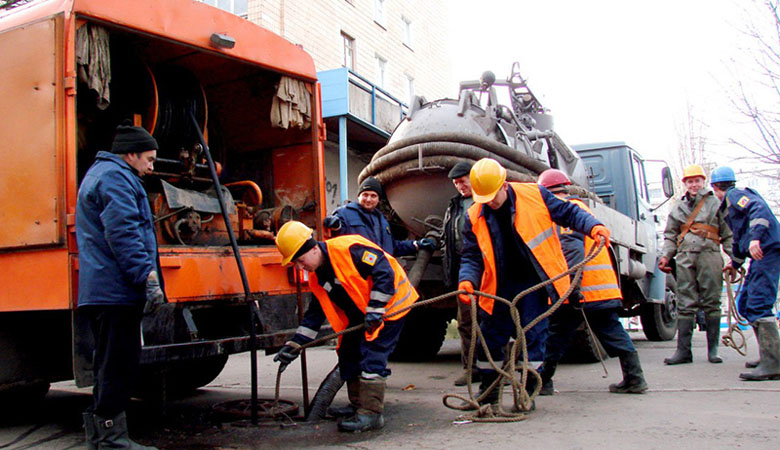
(118, 276)
(364, 218)
(756, 236)
(509, 245)
(453, 247)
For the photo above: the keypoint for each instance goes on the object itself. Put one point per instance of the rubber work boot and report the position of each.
(112, 433)
(683, 354)
(633, 377)
(713, 339)
(461, 380)
(90, 431)
(353, 393)
(487, 378)
(369, 414)
(547, 370)
(769, 351)
(754, 363)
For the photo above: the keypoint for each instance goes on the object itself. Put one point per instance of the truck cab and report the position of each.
(617, 176)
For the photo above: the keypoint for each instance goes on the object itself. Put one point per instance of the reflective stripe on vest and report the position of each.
(599, 281)
(357, 287)
(535, 228)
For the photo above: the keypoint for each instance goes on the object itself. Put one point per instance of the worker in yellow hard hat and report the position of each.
(509, 245)
(355, 282)
(695, 230)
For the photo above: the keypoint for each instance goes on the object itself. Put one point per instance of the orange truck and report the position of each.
(70, 72)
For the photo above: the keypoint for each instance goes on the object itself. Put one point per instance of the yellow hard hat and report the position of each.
(694, 170)
(487, 176)
(291, 238)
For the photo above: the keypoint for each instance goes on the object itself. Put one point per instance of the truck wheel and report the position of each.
(178, 378)
(659, 321)
(422, 335)
(583, 349)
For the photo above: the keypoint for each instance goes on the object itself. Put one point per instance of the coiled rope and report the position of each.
(523, 400)
(735, 319)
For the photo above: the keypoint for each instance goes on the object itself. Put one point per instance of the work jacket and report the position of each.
(750, 219)
(533, 223)
(115, 235)
(382, 288)
(373, 226)
(599, 281)
(453, 239)
(707, 233)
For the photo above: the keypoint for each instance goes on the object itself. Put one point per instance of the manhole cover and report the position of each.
(266, 409)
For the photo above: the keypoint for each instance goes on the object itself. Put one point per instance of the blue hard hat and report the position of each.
(723, 174)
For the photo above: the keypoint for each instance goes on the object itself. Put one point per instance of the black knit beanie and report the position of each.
(130, 139)
(371, 184)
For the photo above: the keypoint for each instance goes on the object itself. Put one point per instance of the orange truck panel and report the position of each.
(34, 280)
(30, 174)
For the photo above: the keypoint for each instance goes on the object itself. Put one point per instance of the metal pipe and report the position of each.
(239, 263)
(304, 366)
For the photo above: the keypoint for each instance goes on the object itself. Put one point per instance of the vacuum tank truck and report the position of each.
(609, 176)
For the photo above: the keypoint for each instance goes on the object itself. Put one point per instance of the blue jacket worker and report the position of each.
(118, 276)
(509, 245)
(756, 236)
(363, 218)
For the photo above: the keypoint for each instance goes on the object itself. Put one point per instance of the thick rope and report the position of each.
(735, 319)
(523, 401)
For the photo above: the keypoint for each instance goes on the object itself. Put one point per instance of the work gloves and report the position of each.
(426, 244)
(332, 222)
(575, 299)
(465, 285)
(373, 322)
(154, 294)
(600, 231)
(288, 353)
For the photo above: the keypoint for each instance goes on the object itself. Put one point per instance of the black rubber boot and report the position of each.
(713, 339)
(769, 351)
(683, 354)
(90, 431)
(492, 397)
(633, 377)
(462, 379)
(353, 393)
(547, 370)
(112, 433)
(369, 415)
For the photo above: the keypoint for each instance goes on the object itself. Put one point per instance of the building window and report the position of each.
(407, 24)
(237, 7)
(381, 71)
(379, 11)
(349, 51)
(409, 89)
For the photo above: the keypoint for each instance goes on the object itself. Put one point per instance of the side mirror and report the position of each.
(667, 183)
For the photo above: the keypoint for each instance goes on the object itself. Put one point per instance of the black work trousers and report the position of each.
(117, 333)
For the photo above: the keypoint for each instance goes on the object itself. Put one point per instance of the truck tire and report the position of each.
(583, 349)
(178, 378)
(659, 321)
(422, 335)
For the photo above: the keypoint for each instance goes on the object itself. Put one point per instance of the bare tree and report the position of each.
(692, 144)
(756, 95)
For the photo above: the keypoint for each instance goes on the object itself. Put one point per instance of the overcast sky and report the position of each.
(610, 70)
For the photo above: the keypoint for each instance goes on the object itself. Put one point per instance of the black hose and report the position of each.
(483, 142)
(325, 394)
(408, 169)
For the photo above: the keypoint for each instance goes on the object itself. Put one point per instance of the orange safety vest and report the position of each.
(599, 281)
(357, 287)
(535, 227)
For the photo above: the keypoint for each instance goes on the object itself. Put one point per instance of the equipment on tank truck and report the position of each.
(437, 135)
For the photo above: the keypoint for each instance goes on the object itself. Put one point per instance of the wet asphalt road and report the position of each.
(699, 405)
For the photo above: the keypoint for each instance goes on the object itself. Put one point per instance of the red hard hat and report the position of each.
(553, 177)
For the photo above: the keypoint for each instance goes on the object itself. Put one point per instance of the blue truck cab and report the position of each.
(617, 176)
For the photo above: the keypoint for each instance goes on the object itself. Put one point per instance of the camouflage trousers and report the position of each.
(699, 283)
